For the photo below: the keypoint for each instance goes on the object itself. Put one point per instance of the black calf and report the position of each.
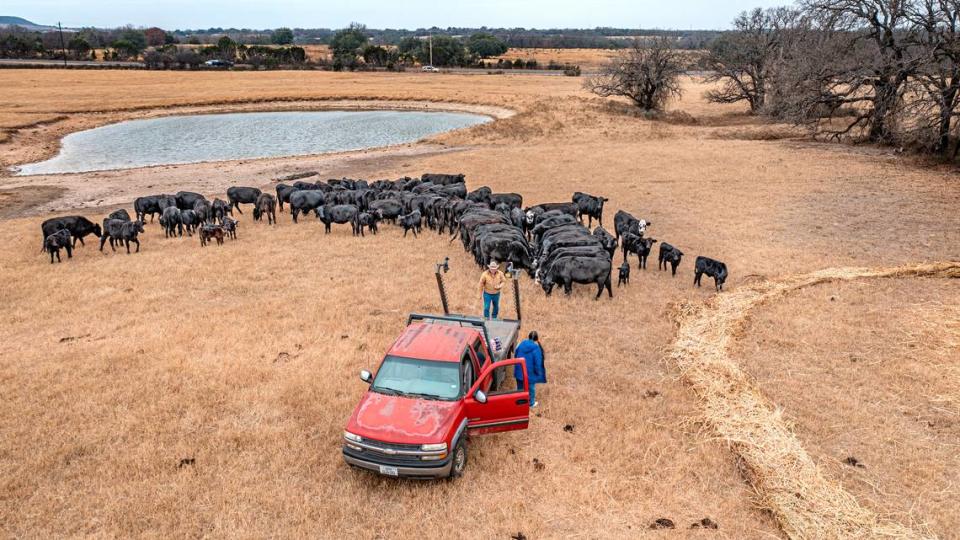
(669, 254)
(715, 269)
(56, 241)
(624, 278)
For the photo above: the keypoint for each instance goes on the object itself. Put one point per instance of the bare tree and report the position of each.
(743, 59)
(938, 77)
(648, 73)
(865, 83)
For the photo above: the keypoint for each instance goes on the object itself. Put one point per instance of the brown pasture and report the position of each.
(203, 391)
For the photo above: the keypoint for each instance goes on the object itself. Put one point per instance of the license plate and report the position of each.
(389, 471)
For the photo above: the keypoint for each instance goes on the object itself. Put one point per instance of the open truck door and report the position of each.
(499, 410)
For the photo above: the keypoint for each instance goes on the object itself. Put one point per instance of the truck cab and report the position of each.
(437, 385)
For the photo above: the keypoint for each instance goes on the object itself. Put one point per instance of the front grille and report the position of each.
(381, 453)
(381, 459)
(393, 446)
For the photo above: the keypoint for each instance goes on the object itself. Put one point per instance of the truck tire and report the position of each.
(459, 459)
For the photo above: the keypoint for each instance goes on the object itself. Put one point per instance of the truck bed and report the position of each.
(505, 330)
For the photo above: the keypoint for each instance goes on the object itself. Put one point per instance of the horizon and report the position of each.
(535, 14)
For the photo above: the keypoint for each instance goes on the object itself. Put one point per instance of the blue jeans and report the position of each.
(489, 299)
(533, 391)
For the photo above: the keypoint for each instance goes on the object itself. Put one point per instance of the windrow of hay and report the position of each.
(787, 481)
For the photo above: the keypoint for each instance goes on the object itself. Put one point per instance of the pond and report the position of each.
(221, 137)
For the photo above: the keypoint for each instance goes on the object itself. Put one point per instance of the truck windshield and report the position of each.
(418, 378)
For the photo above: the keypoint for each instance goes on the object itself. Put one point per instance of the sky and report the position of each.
(410, 14)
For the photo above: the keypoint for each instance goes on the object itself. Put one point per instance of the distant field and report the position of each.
(585, 58)
(244, 358)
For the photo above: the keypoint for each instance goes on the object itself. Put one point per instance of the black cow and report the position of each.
(78, 226)
(171, 222)
(309, 186)
(513, 200)
(480, 195)
(369, 221)
(412, 222)
(245, 195)
(220, 209)
(389, 209)
(121, 232)
(590, 206)
(570, 270)
(305, 201)
(120, 214)
(639, 245)
(190, 221)
(283, 194)
(443, 179)
(669, 254)
(129, 232)
(624, 278)
(229, 226)
(455, 190)
(533, 213)
(266, 205)
(204, 210)
(624, 222)
(338, 213)
(57, 241)
(607, 240)
(715, 269)
(186, 200)
(151, 204)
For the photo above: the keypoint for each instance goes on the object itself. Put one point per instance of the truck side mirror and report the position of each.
(480, 396)
(366, 377)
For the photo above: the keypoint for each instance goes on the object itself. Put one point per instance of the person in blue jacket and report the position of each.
(531, 351)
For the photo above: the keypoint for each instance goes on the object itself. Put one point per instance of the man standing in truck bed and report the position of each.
(491, 282)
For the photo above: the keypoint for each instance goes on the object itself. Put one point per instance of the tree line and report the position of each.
(556, 38)
(881, 71)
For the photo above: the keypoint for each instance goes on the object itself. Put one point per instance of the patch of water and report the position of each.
(223, 137)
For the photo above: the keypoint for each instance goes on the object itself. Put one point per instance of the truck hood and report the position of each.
(402, 420)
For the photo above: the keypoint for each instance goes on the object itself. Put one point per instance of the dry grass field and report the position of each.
(244, 358)
(867, 373)
(585, 58)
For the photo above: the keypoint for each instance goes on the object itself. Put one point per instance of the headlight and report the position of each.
(356, 438)
(434, 447)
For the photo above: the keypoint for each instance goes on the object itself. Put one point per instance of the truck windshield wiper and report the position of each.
(387, 391)
(425, 396)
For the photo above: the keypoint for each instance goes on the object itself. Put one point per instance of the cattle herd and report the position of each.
(549, 240)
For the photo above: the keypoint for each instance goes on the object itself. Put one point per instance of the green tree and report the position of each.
(447, 51)
(125, 48)
(282, 36)
(375, 55)
(79, 47)
(348, 41)
(227, 48)
(486, 45)
(136, 38)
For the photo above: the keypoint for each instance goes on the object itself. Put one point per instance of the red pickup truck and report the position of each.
(438, 384)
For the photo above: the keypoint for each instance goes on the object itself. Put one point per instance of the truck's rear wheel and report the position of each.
(459, 459)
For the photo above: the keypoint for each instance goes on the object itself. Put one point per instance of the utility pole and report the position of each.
(431, 49)
(63, 48)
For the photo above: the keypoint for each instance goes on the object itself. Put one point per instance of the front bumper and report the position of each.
(434, 469)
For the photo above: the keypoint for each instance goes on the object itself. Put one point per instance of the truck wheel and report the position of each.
(459, 459)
